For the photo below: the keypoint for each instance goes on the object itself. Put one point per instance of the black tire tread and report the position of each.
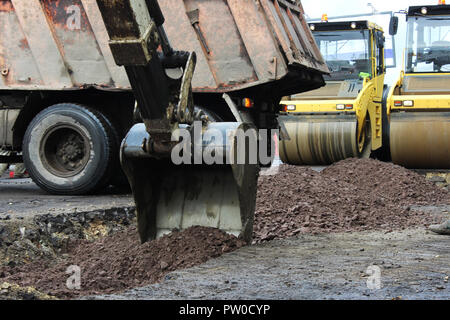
(93, 185)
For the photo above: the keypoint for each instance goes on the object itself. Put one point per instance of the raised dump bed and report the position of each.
(60, 45)
(56, 65)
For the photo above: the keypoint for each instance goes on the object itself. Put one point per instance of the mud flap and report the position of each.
(321, 139)
(420, 140)
(172, 197)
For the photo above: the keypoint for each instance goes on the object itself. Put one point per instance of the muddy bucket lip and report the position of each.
(171, 197)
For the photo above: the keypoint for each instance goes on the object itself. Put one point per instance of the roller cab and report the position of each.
(344, 118)
(419, 103)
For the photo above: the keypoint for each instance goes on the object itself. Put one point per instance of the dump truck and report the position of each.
(419, 102)
(344, 118)
(66, 105)
(73, 71)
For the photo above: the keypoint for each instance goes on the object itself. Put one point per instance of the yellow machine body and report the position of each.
(344, 118)
(419, 132)
(418, 105)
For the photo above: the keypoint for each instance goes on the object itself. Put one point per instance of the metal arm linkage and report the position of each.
(136, 31)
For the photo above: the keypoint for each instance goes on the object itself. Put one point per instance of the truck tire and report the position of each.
(118, 178)
(70, 149)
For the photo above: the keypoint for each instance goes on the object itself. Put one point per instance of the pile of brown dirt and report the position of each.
(351, 195)
(119, 261)
(388, 180)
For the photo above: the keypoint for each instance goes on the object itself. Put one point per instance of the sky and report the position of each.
(315, 9)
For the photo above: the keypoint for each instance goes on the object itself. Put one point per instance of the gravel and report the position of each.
(351, 195)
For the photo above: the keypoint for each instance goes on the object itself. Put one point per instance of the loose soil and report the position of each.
(120, 262)
(413, 264)
(352, 195)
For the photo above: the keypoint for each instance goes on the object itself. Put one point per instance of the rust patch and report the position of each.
(67, 14)
(118, 16)
(6, 74)
(6, 6)
(23, 44)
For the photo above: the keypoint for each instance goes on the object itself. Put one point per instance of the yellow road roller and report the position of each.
(418, 104)
(343, 119)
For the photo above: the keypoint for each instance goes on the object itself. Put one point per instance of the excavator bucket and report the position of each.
(323, 139)
(420, 140)
(183, 171)
(170, 196)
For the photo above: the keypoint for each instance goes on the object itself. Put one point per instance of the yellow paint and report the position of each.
(421, 101)
(431, 102)
(427, 74)
(368, 101)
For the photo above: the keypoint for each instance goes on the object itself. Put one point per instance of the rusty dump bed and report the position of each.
(63, 44)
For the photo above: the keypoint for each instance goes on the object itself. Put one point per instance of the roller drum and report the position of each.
(321, 139)
(420, 140)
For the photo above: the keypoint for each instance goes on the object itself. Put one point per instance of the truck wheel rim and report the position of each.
(65, 151)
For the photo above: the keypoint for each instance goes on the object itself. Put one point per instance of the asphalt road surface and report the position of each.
(20, 198)
(411, 264)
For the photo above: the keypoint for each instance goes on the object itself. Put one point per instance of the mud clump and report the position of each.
(351, 195)
(10, 291)
(119, 262)
(48, 236)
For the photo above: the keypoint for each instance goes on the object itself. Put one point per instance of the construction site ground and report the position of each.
(354, 230)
